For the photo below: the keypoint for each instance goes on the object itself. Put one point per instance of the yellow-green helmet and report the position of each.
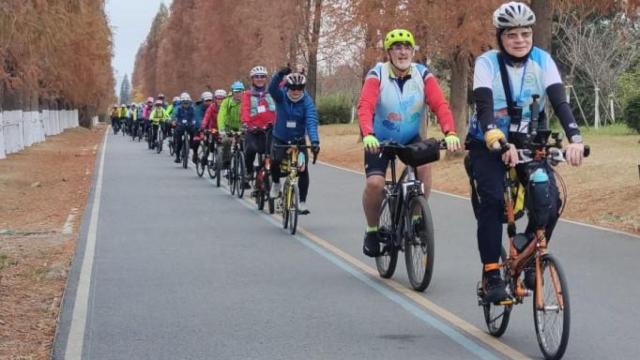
(396, 36)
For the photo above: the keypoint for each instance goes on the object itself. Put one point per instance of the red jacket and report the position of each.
(210, 119)
(258, 112)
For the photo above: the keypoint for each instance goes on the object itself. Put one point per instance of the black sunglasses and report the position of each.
(296, 87)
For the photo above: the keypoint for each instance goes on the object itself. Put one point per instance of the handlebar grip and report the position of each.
(587, 151)
(315, 157)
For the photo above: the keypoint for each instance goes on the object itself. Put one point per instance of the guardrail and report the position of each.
(20, 129)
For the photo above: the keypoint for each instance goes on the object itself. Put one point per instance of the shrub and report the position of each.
(632, 113)
(334, 108)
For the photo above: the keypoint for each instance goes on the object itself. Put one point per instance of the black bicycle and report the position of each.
(159, 139)
(207, 157)
(405, 221)
(237, 168)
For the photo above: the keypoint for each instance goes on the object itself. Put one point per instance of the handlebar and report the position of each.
(298, 146)
(387, 144)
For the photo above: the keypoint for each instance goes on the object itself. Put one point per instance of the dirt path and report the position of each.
(605, 191)
(39, 187)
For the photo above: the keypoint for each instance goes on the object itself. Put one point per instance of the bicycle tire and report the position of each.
(202, 160)
(552, 276)
(211, 165)
(293, 209)
(185, 149)
(497, 316)
(218, 162)
(386, 263)
(285, 205)
(160, 141)
(150, 136)
(172, 147)
(419, 243)
(260, 186)
(242, 175)
(232, 174)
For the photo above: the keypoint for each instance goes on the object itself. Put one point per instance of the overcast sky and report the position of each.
(130, 22)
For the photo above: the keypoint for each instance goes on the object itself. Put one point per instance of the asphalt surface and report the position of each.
(182, 270)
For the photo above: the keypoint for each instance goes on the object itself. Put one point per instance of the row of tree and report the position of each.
(202, 44)
(55, 53)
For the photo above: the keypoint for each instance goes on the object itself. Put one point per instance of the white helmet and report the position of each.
(207, 95)
(512, 15)
(185, 97)
(220, 93)
(258, 70)
(296, 79)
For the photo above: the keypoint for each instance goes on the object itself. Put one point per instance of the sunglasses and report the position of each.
(296, 87)
(260, 76)
(208, 100)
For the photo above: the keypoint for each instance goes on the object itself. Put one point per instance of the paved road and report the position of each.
(181, 270)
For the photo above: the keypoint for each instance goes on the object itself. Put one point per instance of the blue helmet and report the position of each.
(237, 86)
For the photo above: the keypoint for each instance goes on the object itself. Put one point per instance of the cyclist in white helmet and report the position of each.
(257, 112)
(502, 116)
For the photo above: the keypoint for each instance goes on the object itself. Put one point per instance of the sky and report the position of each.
(130, 22)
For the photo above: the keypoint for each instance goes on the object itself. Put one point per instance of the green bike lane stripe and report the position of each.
(411, 301)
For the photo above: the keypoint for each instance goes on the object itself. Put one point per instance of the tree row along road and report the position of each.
(184, 270)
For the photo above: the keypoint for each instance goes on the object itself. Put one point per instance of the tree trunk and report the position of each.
(459, 87)
(543, 29)
(312, 72)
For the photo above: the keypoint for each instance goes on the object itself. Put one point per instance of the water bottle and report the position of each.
(540, 198)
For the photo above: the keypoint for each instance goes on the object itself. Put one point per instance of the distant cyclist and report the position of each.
(210, 120)
(184, 120)
(295, 117)
(229, 119)
(200, 109)
(529, 71)
(258, 112)
(392, 105)
(157, 118)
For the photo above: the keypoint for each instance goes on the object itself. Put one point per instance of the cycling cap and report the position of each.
(512, 15)
(396, 36)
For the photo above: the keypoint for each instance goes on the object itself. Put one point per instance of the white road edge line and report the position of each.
(75, 341)
(601, 228)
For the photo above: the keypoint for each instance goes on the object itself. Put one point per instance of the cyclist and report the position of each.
(115, 118)
(206, 99)
(132, 120)
(229, 118)
(529, 70)
(122, 117)
(392, 104)
(295, 116)
(210, 120)
(146, 114)
(183, 112)
(157, 118)
(258, 111)
(169, 109)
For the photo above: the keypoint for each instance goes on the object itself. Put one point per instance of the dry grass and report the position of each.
(605, 191)
(38, 187)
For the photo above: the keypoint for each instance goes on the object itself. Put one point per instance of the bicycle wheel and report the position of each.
(185, 149)
(150, 137)
(218, 162)
(211, 164)
(271, 202)
(386, 263)
(419, 247)
(172, 147)
(497, 316)
(202, 160)
(294, 201)
(553, 320)
(241, 175)
(285, 205)
(232, 174)
(159, 140)
(260, 189)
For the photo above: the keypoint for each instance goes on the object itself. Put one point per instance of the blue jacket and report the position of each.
(303, 113)
(181, 113)
(199, 109)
